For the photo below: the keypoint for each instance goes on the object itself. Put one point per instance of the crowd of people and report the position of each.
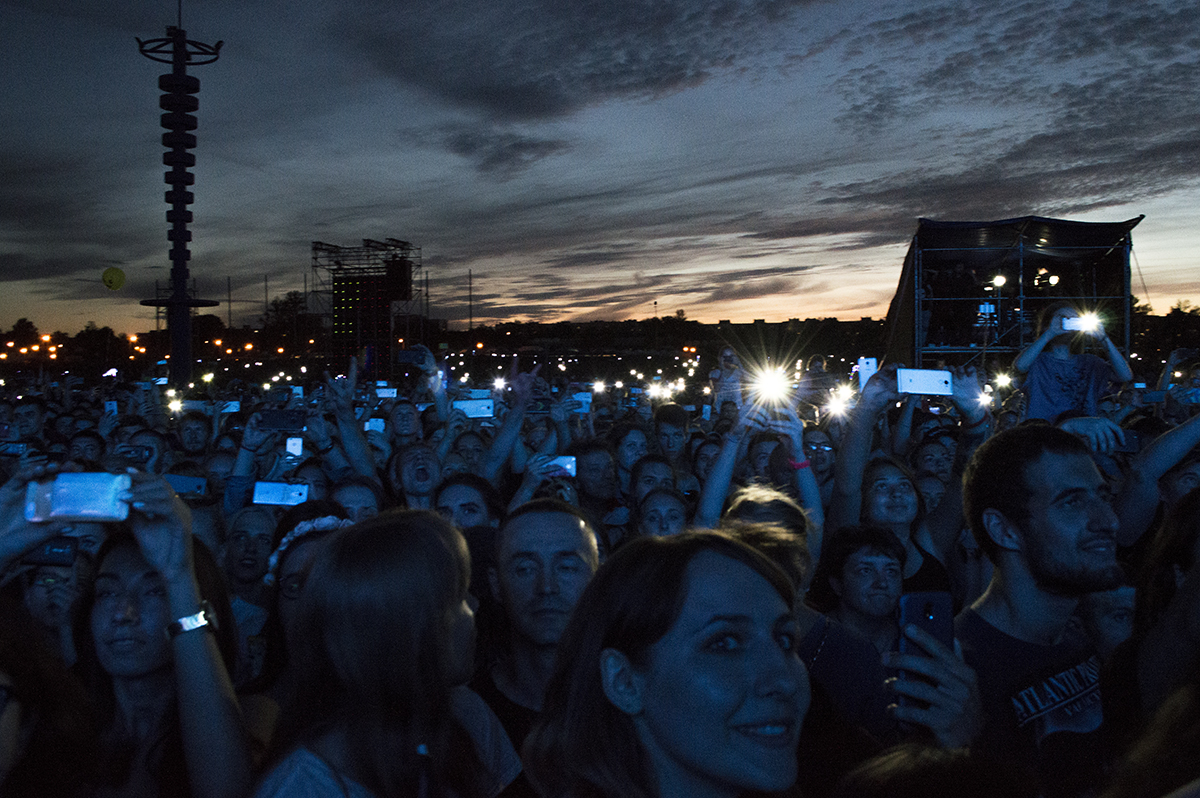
(359, 590)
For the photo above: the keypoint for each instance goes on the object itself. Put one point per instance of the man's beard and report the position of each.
(1064, 579)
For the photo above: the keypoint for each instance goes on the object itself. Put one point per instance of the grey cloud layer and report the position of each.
(527, 59)
(992, 110)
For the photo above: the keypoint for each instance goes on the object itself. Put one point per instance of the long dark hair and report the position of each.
(375, 621)
(54, 712)
(166, 756)
(582, 746)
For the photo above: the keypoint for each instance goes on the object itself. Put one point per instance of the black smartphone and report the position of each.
(282, 420)
(58, 550)
(932, 613)
(134, 455)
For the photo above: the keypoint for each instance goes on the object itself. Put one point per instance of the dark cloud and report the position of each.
(493, 150)
(751, 289)
(529, 59)
(1056, 109)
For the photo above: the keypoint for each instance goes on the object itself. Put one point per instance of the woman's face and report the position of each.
(292, 576)
(129, 615)
(734, 722)
(934, 458)
(633, 448)
(891, 499)
(818, 448)
(247, 548)
(662, 515)
(470, 446)
(318, 483)
(359, 502)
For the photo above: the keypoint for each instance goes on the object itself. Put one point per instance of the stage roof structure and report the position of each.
(972, 288)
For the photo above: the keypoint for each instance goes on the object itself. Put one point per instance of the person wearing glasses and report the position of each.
(821, 455)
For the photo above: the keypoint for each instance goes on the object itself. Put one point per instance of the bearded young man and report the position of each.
(1041, 512)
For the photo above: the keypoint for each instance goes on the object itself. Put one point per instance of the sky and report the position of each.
(734, 159)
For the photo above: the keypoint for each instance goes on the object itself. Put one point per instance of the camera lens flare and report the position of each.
(771, 386)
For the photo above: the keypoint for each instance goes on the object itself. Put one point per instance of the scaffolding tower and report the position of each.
(374, 298)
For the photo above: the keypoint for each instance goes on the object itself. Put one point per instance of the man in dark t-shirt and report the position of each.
(546, 553)
(1040, 511)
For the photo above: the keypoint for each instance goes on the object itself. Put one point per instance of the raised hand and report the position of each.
(1101, 434)
(17, 535)
(316, 429)
(254, 437)
(162, 524)
(341, 391)
(954, 711)
(522, 383)
(966, 391)
(880, 389)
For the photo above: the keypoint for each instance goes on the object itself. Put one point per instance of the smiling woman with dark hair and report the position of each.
(620, 722)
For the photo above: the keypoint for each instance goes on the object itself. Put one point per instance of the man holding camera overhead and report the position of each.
(1058, 381)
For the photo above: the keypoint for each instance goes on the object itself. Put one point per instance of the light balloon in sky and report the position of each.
(113, 278)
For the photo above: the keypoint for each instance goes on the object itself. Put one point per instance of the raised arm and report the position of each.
(1120, 365)
(1024, 361)
(354, 443)
(902, 432)
(17, 535)
(720, 477)
(510, 430)
(846, 504)
(946, 522)
(215, 743)
(806, 484)
(1137, 501)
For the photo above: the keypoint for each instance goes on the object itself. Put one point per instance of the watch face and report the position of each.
(205, 617)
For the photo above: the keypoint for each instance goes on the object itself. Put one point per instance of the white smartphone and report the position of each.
(476, 408)
(928, 382)
(866, 367)
(295, 446)
(281, 493)
(373, 425)
(91, 496)
(566, 463)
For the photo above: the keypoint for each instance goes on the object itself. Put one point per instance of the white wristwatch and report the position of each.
(205, 617)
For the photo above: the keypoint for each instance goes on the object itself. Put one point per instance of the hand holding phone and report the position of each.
(280, 493)
(937, 689)
(78, 497)
(928, 382)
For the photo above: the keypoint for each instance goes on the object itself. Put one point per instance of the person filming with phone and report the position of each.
(1058, 380)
